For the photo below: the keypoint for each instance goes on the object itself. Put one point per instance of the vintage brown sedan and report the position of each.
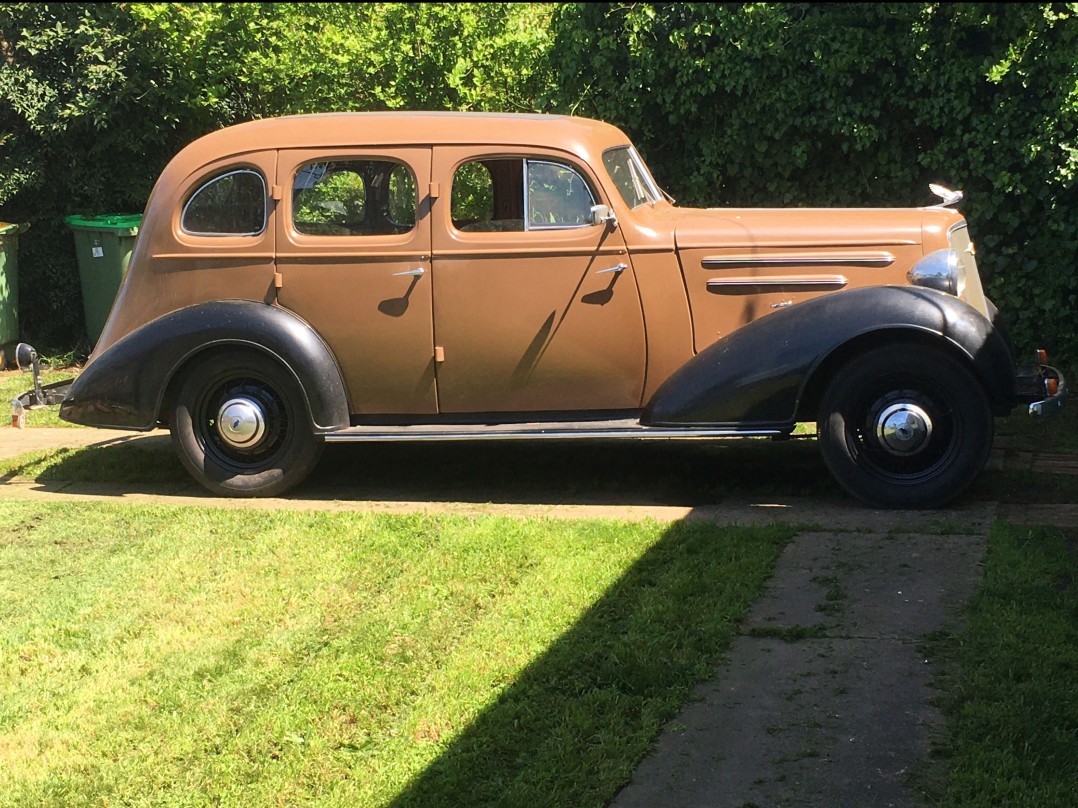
(441, 276)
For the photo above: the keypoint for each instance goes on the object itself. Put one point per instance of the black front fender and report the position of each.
(124, 387)
(762, 373)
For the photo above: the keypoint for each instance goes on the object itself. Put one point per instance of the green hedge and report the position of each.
(853, 105)
(95, 98)
(753, 104)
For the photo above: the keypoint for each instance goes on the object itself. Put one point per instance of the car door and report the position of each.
(535, 307)
(353, 257)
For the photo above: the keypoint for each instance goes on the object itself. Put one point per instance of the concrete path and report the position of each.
(825, 698)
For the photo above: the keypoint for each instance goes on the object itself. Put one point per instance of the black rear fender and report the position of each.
(125, 387)
(772, 371)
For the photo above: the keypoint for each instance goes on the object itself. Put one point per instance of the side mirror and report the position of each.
(25, 357)
(602, 214)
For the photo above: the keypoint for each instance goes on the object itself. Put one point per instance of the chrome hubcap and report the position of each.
(241, 423)
(903, 428)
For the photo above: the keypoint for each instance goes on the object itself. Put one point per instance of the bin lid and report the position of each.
(122, 224)
(9, 229)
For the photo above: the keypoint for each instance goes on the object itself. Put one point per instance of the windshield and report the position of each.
(631, 176)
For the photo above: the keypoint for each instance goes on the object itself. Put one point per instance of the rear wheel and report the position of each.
(240, 426)
(905, 426)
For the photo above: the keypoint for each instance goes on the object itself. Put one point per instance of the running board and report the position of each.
(561, 430)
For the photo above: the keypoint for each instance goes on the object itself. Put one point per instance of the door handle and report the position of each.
(414, 273)
(618, 268)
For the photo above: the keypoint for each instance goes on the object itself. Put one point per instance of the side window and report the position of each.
(488, 196)
(492, 196)
(630, 176)
(402, 197)
(557, 197)
(230, 204)
(354, 198)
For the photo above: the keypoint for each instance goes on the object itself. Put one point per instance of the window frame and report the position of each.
(654, 193)
(217, 178)
(526, 161)
(527, 218)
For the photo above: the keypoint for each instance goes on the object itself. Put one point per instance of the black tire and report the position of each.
(905, 426)
(254, 461)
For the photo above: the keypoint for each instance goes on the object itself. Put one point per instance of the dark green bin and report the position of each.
(9, 282)
(103, 245)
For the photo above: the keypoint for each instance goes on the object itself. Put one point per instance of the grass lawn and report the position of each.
(183, 656)
(1009, 681)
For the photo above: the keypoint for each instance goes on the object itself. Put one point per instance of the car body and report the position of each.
(438, 276)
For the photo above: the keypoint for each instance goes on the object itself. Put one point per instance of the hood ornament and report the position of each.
(946, 195)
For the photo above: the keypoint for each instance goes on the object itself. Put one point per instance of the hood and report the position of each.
(762, 228)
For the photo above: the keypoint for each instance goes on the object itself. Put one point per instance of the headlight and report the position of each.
(939, 270)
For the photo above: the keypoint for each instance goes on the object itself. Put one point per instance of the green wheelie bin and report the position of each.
(9, 286)
(103, 245)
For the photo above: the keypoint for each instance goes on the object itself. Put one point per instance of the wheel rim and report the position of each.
(904, 430)
(242, 423)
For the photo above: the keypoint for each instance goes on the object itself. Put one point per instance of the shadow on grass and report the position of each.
(677, 473)
(144, 462)
(571, 728)
(683, 473)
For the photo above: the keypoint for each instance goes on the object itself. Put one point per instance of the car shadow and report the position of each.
(684, 473)
(589, 472)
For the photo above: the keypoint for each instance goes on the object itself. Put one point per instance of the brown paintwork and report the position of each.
(377, 323)
(502, 321)
(525, 321)
(760, 239)
(169, 270)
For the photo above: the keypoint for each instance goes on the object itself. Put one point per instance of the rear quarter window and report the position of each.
(230, 204)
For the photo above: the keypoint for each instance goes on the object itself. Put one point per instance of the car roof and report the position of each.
(409, 129)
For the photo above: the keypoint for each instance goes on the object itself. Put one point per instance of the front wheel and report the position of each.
(240, 426)
(905, 426)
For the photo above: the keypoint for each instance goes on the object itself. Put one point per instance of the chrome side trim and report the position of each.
(195, 255)
(369, 433)
(779, 282)
(852, 259)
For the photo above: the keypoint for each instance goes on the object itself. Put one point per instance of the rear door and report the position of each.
(353, 253)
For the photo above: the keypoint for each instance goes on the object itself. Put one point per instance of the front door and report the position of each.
(353, 253)
(535, 308)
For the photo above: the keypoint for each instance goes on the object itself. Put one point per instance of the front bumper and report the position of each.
(1042, 388)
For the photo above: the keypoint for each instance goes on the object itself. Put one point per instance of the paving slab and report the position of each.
(1062, 515)
(838, 717)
